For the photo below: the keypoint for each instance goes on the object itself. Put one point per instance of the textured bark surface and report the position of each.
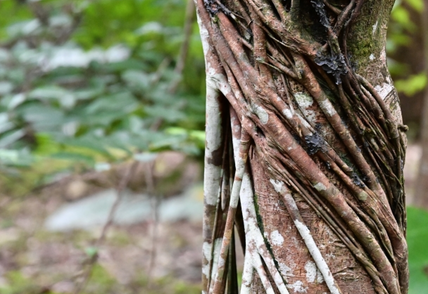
(304, 151)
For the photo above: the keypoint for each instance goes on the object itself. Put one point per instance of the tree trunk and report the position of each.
(421, 195)
(304, 151)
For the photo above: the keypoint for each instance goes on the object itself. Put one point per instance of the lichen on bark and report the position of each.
(299, 113)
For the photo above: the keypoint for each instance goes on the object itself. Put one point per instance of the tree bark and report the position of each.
(304, 150)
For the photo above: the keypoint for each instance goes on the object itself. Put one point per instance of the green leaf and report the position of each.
(24, 28)
(74, 157)
(86, 94)
(87, 142)
(5, 124)
(65, 98)
(5, 87)
(123, 102)
(412, 85)
(43, 118)
(45, 145)
(150, 27)
(168, 114)
(136, 79)
(91, 251)
(11, 138)
(15, 101)
(402, 16)
(15, 157)
(198, 135)
(417, 5)
(127, 64)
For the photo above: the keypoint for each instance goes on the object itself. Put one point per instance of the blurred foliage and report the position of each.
(84, 82)
(403, 29)
(417, 239)
(412, 84)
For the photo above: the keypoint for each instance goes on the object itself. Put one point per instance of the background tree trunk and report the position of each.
(421, 194)
(304, 150)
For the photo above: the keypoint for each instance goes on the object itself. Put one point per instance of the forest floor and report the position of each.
(146, 257)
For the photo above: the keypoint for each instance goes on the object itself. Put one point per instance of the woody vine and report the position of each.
(304, 148)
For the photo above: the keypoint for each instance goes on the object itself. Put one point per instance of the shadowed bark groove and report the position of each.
(304, 153)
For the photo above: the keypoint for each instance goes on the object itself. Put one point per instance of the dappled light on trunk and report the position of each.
(304, 149)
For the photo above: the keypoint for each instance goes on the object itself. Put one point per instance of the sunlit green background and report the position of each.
(84, 83)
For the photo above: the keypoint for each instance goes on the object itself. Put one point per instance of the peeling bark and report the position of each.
(304, 152)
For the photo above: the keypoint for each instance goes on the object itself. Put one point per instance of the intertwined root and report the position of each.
(287, 100)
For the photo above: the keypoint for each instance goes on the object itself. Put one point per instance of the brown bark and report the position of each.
(308, 107)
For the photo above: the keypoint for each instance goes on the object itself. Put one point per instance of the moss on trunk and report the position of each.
(314, 129)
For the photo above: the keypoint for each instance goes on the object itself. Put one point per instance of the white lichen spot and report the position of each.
(221, 262)
(384, 90)
(363, 196)
(213, 125)
(211, 184)
(382, 58)
(298, 287)
(287, 113)
(206, 251)
(312, 272)
(261, 113)
(277, 185)
(303, 100)
(210, 70)
(204, 35)
(217, 248)
(375, 27)
(276, 238)
(327, 107)
(320, 187)
(236, 128)
(388, 79)
(372, 57)
(285, 270)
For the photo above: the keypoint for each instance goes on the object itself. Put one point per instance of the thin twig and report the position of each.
(119, 196)
(188, 29)
(155, 201)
